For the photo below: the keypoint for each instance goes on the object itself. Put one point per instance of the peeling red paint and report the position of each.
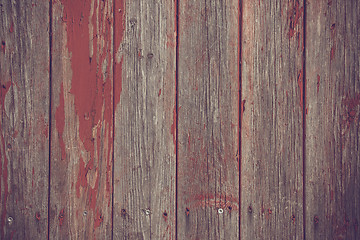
(294, 16)
(98, 219)
(82, 180)
(60, 122)
(159, 92)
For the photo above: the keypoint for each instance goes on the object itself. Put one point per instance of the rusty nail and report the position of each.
(220, 210)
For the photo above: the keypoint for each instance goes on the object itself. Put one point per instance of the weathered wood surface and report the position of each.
(208, 120)
(82, 120)
(24, 119)
(332, 120)
(272, 120)
(145, 120)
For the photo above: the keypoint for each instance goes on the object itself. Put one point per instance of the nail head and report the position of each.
(220, 210)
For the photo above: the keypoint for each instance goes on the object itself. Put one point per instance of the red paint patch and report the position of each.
(3, 44)
(294, 16)
(82, 180)
(159, 92)
(60, 122)
(61, 217)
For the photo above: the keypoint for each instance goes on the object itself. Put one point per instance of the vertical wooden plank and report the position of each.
(272, 120)
(24, 119)
(82, 119)
(332, 121)
(145, 126)
(208, 120)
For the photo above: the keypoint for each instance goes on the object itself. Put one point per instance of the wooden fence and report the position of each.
(179, 119)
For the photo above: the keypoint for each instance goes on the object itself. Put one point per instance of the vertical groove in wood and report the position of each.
(272, 120)
(332, 121)
(145, 120)
(82, 119)
(177, 118)
(208, 124)
(24, 119)
(50, 117)
(239, 106)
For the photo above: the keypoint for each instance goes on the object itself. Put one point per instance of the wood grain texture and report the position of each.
(82, 119)
(24, 119)
(332, 121)
(272, 120)
(208, 120)
(145, 126)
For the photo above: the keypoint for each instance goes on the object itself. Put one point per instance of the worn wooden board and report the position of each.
(332, 120)
(24, 119)
(82, 119)
(272, 120)
(208, 120)
(145, 120)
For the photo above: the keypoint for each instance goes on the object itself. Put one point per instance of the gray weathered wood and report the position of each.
(272, 120)
(332, 121)
(208, 120)
(82, 119)
(145, 120)
(24, 119)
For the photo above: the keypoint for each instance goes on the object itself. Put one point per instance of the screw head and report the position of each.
(10, 220)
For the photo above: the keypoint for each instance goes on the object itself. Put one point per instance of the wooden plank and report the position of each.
(82, 119)
(208, 120)
(145, 126)
(272, 120)
(24, 119)
(332, 121)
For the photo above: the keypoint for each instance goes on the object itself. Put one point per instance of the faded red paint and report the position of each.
(159, 92)
(5, 192)
(119, 30)
(352, 108)
(301, 86)
(210, 200)
(294, 16)
(38, 216)
(332, 52)
(60, 122)
(11, 29)
(3, 91)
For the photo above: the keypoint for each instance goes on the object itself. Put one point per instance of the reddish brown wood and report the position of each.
(24, 119)
(332, 121)
(208, 120)
(145, 120)
(272, 120)
(82, 119)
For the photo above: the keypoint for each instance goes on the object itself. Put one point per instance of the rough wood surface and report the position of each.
(208, 120)
(332, 121)
(82, 119)
(272, 120)
(145, 126)
(24, 119)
